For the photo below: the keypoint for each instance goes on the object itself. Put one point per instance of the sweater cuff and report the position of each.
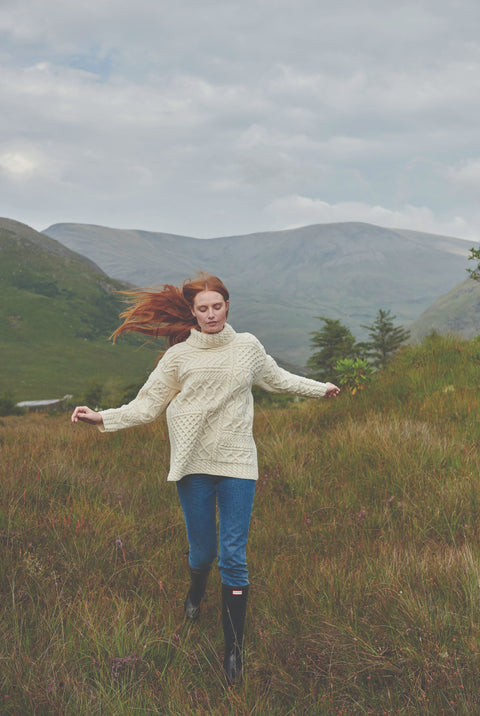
(108, 421)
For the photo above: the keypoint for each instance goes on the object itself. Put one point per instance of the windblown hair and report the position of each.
(166, 312)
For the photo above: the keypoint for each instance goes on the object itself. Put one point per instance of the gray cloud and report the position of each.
(220, 117)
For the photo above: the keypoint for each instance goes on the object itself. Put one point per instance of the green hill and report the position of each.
(457, 311)
(57, 310)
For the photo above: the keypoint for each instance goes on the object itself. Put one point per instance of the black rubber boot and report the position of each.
(234, 606)
(198, 583)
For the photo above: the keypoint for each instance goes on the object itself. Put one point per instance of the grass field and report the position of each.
(364, 560)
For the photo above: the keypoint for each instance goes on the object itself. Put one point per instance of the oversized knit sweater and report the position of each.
(206, 383)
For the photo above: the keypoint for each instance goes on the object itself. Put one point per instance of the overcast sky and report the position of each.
(218, 117)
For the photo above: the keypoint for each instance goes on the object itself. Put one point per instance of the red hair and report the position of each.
(167, 312)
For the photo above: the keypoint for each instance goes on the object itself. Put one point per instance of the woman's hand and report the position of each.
(86, 415)
(332, 390)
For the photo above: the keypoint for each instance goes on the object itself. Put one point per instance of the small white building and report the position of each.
(43, 406)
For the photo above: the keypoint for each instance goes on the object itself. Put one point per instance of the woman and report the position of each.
(204, 381)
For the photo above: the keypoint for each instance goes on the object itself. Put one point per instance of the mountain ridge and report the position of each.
(281, 280)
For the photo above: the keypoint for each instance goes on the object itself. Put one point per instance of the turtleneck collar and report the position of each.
(197, 339)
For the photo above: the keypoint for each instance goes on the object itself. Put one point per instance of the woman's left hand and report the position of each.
(332, 390)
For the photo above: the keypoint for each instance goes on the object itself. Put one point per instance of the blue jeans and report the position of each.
(199, 495)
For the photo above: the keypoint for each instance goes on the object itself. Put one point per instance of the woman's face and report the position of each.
(210, 309)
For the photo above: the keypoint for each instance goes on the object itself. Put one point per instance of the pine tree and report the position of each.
(385, 337)
(335, 342)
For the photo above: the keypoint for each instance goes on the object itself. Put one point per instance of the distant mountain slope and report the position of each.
(280, 281)
(458, 311)
(57, 310)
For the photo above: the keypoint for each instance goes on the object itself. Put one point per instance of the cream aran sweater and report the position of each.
(206, 383)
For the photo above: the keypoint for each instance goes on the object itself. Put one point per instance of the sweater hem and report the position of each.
(225, 471)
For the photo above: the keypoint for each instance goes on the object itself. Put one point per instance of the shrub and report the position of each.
(8, 405)
(353, 373)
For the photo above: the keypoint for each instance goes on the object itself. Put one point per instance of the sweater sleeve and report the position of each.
(277, 380)
(152, 399)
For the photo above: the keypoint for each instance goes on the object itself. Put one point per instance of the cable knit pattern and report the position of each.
(205, 384)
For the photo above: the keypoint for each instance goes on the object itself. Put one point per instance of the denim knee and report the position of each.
(197, 560)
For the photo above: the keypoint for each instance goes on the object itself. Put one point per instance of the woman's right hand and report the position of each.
(86, 415)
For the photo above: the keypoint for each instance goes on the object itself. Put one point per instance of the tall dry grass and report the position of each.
(363, 556)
